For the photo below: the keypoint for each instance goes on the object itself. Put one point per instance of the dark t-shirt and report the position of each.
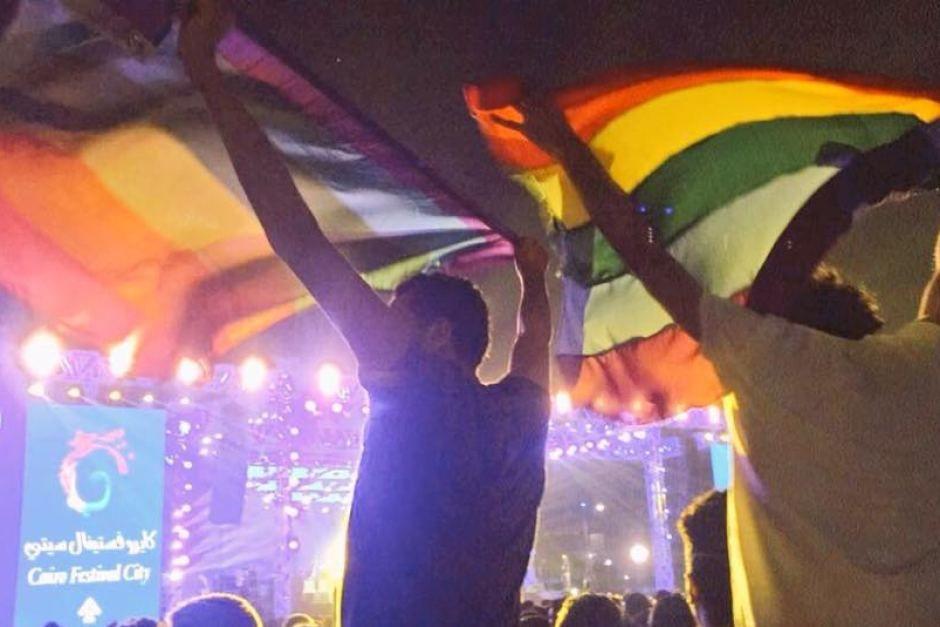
(445, 503)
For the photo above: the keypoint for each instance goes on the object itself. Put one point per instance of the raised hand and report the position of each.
(204, 23)
(543, 123)
(531, 258)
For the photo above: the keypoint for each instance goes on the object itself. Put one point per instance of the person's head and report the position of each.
(216, 608)
(534, 620)
(452, 316)
(703, 527)
(636, 608)
(300, 620)
(930, 300)
(672, 611)
(827, 303)
(589, 610)
(138, 622)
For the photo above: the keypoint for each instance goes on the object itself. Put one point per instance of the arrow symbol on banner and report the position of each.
(89, 611)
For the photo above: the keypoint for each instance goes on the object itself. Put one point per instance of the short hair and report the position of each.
(138, 622)
(589, 610)
(672, 611)
(299, 620)
(829, 304)
(217, 608)
(534, 620)
(637, 606)
(435, 296)
(703, 527)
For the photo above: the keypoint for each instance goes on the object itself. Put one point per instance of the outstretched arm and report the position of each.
(867, 179)
(530, 356)
(615, 214)
(377, 335)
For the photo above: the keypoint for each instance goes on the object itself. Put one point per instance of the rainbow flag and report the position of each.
(120, 215)
(720, 161)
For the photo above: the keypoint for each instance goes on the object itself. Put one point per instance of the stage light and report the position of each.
(41, 354)
(115, 395)
(206, 440)
(555, 454)
(180, 560)
(639, 554)
(121, 356)
(639, 434)
(714, 415)
(176, 545)
(682, 417)
(600, 508)
(187, 464)
(290, 511)
(337, 408)
(185, 400)
(608, 562)
(562, 403)
(253, 372)
(37, 389)
(709, 437)
(294, 456)
(175, 575)
(625, 437)
(74, 392)
(147, 398)
(188, 371)
(329, 379)
(572, 450)
(334, 558)
(293, 544)
(186, 508)
(188, 487)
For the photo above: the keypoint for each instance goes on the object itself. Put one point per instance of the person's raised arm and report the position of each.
(615, 214)
(377, 334)
(530, 356)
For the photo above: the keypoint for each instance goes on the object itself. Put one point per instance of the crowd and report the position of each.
(827, 523)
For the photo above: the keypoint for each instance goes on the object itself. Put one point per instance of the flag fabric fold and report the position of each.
(120, 213)
(719, 160)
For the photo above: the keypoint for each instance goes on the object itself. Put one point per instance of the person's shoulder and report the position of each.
(518, 395)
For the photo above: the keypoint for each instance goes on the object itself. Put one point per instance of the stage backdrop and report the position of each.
(92, 516)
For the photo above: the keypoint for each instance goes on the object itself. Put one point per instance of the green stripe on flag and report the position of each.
(712, 173)
(724, 251)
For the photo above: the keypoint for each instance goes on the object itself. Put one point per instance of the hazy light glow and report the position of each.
(253, 372)
(188, 371)
(42, 354)
(121, 356)
(329, 379)
(562, 403)
(639, 553)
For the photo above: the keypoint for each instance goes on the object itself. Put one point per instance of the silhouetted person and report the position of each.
(215, 610)
(589, 610)
(452, 471)
(671, 610)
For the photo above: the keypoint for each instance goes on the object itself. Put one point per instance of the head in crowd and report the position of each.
(138, 622)
(589, 610)
(829, 304)
(636, 608)
(703, 527)
(215, 609)
(300, 620)
(930, 301)
(452, 315)
(534, 620)
(672, 611)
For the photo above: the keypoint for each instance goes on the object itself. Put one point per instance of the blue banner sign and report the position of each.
(91, 532)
